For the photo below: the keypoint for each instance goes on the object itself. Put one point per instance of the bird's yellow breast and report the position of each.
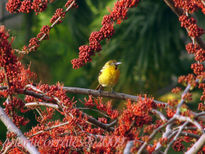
(109, 76)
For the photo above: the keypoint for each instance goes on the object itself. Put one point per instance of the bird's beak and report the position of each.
(118, 63)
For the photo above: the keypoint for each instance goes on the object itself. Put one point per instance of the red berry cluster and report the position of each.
(44, 31)
(59, 13)
(34, 43)
(198, 52)
(190, 24)
(178, 146)
(201, 107)
(25, 6)
(190, 6)
(189, 79)
(118, 13)
(98, 103)
(139, 113)
(197, 68)
(176, 90)
(13, 74)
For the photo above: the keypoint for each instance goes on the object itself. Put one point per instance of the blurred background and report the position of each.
(150, 44)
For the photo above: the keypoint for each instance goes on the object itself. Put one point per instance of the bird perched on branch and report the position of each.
(109, 75)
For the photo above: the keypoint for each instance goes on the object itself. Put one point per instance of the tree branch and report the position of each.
(154, 133)
(21, 138)
(128, 147)
(197, 146)
(175, 138)
(161, 115)
(85, 91)
(114, 95)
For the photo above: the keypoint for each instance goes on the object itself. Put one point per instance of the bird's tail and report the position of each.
(99, 87)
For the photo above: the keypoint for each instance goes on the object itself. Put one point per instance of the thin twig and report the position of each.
(154, 133)
(182, 98)
(52, 127)
(30, 104)
(197, 146)
(194, 122)
(167, 132)
(159, 114)
(33, 88)
(7, 148)
(39, 113)
(176, 136)
(87, 108)
(128, 147)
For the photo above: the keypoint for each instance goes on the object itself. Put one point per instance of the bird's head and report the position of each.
(112, 63)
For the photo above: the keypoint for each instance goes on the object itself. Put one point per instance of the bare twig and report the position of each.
(183, 118)
(30, 104)
(190, 135)
(175, 138)
(154, 133)
(184, 134)
(197, 146)
(87, 108)
(165, 135)
(128, 147)
(182, 98)
(33, 88)
(159, 114)
(7, 148)
(56, 126)
(98, 123)
(39, 113)
(21, 138)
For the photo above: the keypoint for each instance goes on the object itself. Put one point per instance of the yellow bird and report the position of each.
(109, 75)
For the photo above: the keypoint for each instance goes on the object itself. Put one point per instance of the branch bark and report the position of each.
(21, 138)
(30, 104)
(84, 91)
(128, 147)
(197, 146)
(108, 94)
